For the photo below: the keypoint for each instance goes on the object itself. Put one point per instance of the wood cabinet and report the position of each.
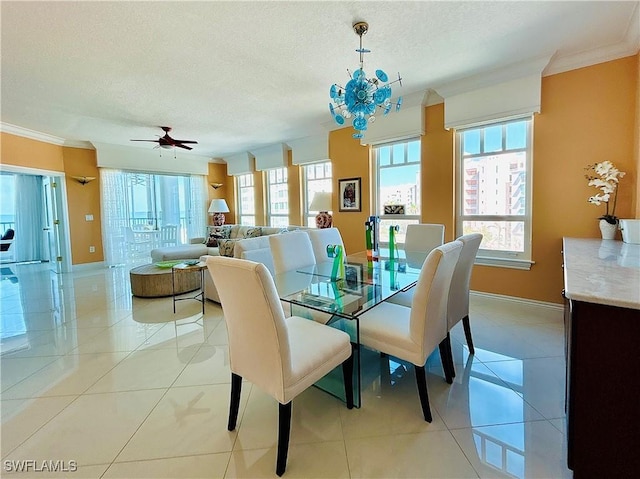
(602, 344)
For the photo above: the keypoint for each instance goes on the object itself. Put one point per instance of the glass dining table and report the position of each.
(312, 292)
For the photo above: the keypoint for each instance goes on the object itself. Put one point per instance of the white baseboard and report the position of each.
(88, 266)
(533, 302)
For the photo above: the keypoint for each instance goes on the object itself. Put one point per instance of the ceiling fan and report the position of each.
(167, 142)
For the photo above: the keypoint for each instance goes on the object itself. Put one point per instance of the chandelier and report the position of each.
(362, 96)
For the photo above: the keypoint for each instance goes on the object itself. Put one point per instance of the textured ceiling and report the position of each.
(237, 76)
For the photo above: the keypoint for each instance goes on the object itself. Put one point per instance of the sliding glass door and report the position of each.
(136, 206)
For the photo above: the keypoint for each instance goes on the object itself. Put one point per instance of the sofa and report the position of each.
(237, 241)
(210, 244)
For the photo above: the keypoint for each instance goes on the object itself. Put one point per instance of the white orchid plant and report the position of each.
(605, 176)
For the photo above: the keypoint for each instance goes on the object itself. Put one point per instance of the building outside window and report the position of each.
(397, 186)
(277, 197)
(246, 199)
(494, 190)
(317, 177)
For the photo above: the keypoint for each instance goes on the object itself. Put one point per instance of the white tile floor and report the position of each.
(92, 375)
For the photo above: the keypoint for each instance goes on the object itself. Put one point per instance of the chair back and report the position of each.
(429, 306)
(169, 235)
(7, 240)
(258, 342)
(320, 238)
(458, 306)
(291, 251)
(424, 237)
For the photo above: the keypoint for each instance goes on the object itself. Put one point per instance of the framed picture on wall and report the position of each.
(350, 196)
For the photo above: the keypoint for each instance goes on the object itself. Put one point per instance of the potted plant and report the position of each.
(605, 176)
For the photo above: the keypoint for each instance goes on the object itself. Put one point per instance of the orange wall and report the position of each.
(83, 200)
(27, 153)
(218, 174)
(438, 174)
(588, 115)
(350, 160)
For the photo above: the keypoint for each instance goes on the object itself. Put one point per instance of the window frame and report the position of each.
(249, 177)
(309, 218)
(488, 257)
(409, 219)
(268, 184)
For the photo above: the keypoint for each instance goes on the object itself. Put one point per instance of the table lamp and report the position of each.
(322, 202)
(217, 208)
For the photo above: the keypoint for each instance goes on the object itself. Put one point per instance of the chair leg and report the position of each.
(467, 334)
(444, 358)
(284, 429)
(421, 380)
(236, 388)
(452, 366)
(347, 373)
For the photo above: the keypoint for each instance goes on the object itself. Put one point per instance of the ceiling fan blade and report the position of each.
(183, 146)
(186, 141)
(153, 141)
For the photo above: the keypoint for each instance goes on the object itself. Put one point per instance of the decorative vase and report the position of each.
(608, 230)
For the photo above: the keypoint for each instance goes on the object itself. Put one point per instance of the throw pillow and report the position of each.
(253, 232)
(213, 239)
(226, 246)
(216, 233)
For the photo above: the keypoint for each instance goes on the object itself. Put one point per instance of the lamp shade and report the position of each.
(321, 201)
(218, 205)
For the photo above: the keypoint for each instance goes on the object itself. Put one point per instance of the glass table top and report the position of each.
(365, 283)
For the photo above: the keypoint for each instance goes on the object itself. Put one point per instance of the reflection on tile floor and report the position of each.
(118, 385)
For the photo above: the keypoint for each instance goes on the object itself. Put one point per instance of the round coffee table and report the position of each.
(150, 281)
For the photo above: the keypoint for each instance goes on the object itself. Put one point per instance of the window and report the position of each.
(136, 205)
(277, 197)
(494, 191)
(317, 178)
(7, 202)
(246, 199)
(398, 184)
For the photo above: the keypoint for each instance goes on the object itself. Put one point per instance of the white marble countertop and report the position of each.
(602, 271)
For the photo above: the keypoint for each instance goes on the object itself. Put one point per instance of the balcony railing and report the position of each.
(5, 225)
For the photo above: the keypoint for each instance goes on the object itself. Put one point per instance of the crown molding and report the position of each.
(86, 145)
(32, 134)
(591, 57)
(629, 45)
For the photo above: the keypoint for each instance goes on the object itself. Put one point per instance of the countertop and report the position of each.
(602, 272)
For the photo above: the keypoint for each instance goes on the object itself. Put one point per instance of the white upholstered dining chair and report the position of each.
(321, 238)
(291, 251)
(283, 357)
(411, 334)
(420, 240)
(458, 306)
(458, 301)
(423, 237)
